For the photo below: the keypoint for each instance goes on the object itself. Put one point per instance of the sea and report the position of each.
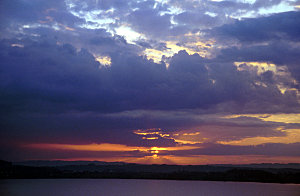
(131, 187)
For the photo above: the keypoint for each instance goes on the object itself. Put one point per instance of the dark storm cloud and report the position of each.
(27, 10)
(43, 75)
(149, 21)
(283, 26)
(48, 74)
(46, 78)
(16, 13)
(97, 41)
(265, 53)
(57, 21)
(198, 19)
(146, 17)
(279, 53)
(98, 4)
(53, 90)
(271, 39)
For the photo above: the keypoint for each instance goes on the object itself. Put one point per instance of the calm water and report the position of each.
(116, 187)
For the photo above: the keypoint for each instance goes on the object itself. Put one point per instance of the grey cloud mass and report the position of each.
(54, 88)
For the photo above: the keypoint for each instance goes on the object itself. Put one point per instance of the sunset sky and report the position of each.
(150, 81)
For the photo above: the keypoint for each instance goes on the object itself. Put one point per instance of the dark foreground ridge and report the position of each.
(271, 173)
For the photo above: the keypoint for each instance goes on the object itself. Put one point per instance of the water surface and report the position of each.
(125, 187)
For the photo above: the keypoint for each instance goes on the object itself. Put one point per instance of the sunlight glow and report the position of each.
(155, 55)
(104, 60)
(284, 6)
(173, 47)
(17, 45)
(94, 19)
(278, 71)
(283, 118)
(293, 136)
(149, 138)
(106, 147)
(260, 66)
(87, 147)
(129, 34)
(182, 137)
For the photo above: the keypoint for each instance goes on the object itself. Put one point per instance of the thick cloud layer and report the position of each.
(55, 88)
(276, 27)
(43, 75)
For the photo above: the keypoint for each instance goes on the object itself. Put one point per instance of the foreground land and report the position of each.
(271, 173)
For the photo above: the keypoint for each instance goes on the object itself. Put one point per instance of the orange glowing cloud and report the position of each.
(149, 138)
(180, 137)
(87, 147)
(283, 118)
(103, 60)
(193, 45)
(107, 147)
(148, 134)
(292, 136)
(260, 66)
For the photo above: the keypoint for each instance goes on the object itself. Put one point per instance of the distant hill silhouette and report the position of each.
(275, 173)
(47, 163)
